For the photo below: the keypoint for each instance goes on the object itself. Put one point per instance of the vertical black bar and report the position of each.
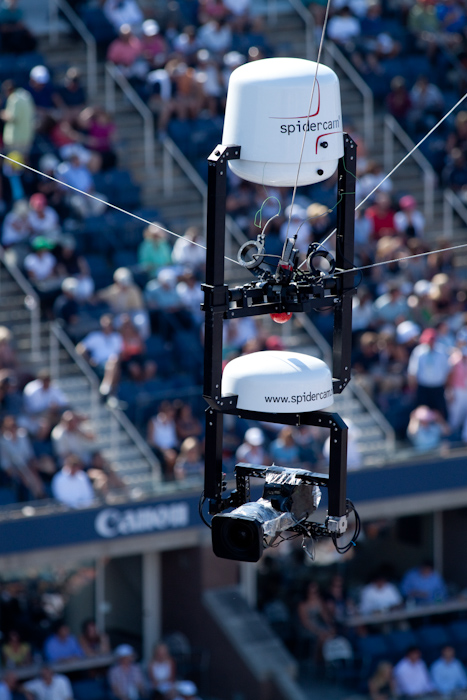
(213, 454)
(337, 491)
(215, 251)
(215, 299)
(215, 222)
(342, 340)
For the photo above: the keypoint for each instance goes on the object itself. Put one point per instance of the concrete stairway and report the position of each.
(137, 469)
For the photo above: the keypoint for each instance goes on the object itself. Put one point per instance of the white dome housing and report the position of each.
(267, 115)
(278, 381)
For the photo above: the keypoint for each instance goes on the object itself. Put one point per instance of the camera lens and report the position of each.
(237, 538)
(240, 535)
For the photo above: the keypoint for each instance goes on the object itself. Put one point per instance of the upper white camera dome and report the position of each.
(267, 114)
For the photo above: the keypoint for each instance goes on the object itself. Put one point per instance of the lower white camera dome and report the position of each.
(278, 381)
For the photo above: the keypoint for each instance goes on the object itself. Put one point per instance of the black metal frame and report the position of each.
(221, 303)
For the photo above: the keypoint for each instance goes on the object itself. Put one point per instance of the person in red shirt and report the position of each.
(381, 216)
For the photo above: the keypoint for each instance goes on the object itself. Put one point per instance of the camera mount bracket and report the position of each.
(289, 292)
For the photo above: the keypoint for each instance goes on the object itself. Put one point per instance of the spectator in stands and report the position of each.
(381, 685)
(284, 450)
(73, 435)
(208, 74)
(42, 92)
(49, 686)
(315, 619)
(15, 652)
(16, 232)
(187, 101)
(15, 37)
(379, 595)
(411, 675)
(162, 429)
(18, 460)
(155, 48)
(162, 670)
(70, 97)
(186, 424)
(9, 685)
(165, 307)
(457, 382)
(344, 28)
(102, 350)
(8, 355)
(18, 116)
(100, 135)
(134, 361)
(191, 295)
(71, 485)
(428, 372)
(427, 105)
(252, 449)
(120, 12)
(454, 174)
(125, 677)
(126, 51)
(92, 642)
(66, 307)
(423, 584)
(381, 216)
(189, 251)
(299, 225)
(372, 176)
(103, 477)
(41, 268)
(124, 298)
(154, 252)
(215, 36)
(72, 265)
(448, 674)
(398, 101)
(189, 462)
(44, 402)
(409, 220)
(75, 173)
(62, 646)
(426, 429)
(391, 307)
(43, 220)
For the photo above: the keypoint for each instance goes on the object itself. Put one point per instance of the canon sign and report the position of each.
(111, 522)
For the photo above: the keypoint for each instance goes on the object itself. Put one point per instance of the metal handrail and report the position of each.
(31, 302)
(172, 154)
(58, 336)
(392, 129)
(79, 26)
(308, 18)
(336, 56)
(451, 204)
(357, 391)
(113, 77)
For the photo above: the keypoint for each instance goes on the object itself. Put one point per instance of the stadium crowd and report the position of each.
(129, 297)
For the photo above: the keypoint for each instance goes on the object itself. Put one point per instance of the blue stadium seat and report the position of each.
(431, 639)
(101, 272)
(90, 689)
(7, 496)
(370, 650)
(458, 634)
(399, 641)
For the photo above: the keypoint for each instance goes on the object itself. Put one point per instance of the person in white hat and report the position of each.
(125, 677)
(252, 449)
